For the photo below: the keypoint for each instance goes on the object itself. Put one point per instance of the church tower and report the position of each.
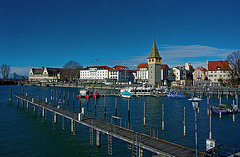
(154, 66)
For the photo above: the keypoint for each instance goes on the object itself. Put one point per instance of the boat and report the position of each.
(126, 94)
(225, 108)
(176, 95)
(83, 93)
(95, 95)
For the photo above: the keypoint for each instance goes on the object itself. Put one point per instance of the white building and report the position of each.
(121, 74)
(218, 70)
(142, 73)
(99, 73)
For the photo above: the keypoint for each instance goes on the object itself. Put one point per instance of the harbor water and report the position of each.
(25, 133)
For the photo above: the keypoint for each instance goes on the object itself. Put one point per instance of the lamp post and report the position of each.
(195, 102)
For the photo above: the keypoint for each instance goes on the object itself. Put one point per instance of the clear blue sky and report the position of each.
(36, 33)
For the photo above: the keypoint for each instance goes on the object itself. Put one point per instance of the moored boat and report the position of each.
(83, 93)
(225, 108)
(126, 94)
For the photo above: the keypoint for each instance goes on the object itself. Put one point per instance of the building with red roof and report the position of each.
(142, 73)
(218, 71)
(164, 74)
(99, 73)
(120, 73)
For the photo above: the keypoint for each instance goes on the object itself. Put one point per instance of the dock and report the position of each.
(138, 141)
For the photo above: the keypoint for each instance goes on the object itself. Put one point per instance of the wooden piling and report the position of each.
(51, 94)
(34, 108)
(207, 106)
(54, 118)
(115, 106)
(64, 96)
(63, 122)
(105, 109)
(95, 104)
(27, 104)
(73, 126)
(162, 117)
(10, 95)
(220, 113)
(98, 138)
(210, 125)
(43, 112)
(144, 113)
(184, 122)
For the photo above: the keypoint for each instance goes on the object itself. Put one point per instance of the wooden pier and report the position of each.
(138, 141)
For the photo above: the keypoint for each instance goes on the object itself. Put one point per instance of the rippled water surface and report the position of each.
(25, 133)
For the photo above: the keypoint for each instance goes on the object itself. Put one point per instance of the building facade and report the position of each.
(164, 74)
(218, 71)
(154, 66)
(142, 73)
(121, 74)
(45, 74)
(94, 73)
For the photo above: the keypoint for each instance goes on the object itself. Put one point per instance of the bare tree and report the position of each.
(234, 61)
(71, 71)
(5, 70)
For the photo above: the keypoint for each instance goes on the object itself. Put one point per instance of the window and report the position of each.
(149, 60)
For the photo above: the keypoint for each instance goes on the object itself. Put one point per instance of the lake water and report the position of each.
(25, 133)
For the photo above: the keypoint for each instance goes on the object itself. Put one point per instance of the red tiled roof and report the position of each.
(98, 67)
(119, 68)
(142, 65)
(214, 65)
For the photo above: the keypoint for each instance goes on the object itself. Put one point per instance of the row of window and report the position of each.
(219, 72)
(219, 75)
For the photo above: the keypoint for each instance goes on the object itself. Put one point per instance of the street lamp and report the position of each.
(195, 105)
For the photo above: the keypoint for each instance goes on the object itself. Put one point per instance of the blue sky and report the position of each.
(37, 33)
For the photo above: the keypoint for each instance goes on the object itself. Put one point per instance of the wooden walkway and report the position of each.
(139, 140)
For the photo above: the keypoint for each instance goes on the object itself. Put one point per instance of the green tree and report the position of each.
(5, 70)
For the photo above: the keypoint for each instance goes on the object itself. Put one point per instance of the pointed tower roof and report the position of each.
(154, 52)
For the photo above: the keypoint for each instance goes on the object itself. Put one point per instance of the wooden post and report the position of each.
(162, 117)
(141, 152)
(184, 123)
(22, 103)
(27, 104)
(60, 97)
(87, 102)
(144, 113)
(51, 95)
(233, 112)
(220, 113)
(64, 96)
(63, 122)
(34, 108)
(210, 125)
(43, 112)
(10, 95)
(98, 138)
(207, 106)
(115, 106)
(95, 104)
(73, 126)
(17, 101)
(105, 109)
(128, 111)
(54, 118)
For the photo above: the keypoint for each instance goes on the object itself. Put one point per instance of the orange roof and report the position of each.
(163, 66)
(214, 65)
(37, 71)
(202, 69)
(142, 65)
